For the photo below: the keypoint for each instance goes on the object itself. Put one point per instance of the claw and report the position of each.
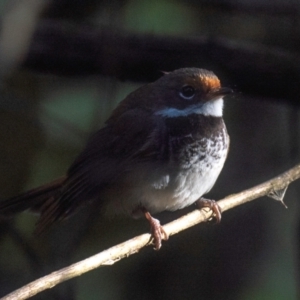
(157, 231)
(213, 205)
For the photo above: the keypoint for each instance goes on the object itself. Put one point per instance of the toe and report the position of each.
(213, 205)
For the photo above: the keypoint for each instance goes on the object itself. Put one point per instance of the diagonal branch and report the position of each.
(114, 254)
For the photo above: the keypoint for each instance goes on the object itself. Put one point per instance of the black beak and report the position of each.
(220, 92)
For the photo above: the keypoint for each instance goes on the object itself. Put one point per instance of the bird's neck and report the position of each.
(197, 125)
(212, 108)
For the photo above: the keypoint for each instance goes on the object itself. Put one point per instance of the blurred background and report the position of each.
(64, 66)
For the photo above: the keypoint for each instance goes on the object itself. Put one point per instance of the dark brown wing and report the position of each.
(133, 137)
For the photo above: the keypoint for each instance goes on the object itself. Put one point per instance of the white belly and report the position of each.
(177, 190)
(190, 184)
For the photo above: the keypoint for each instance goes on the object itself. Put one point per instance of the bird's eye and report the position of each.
(187, 92)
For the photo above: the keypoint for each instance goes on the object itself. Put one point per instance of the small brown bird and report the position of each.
(162, 148)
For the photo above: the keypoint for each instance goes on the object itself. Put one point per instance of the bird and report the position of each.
(162, 149)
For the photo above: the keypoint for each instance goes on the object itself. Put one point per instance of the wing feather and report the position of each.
(133, 138)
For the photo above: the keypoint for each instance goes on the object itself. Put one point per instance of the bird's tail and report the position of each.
(32, 200)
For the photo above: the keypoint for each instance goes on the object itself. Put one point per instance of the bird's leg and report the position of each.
(157, 231)
(213, 205)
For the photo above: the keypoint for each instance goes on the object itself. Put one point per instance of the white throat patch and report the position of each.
(212, 108)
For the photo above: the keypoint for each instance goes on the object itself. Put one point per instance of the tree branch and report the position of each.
(82, 51)
(114, 254)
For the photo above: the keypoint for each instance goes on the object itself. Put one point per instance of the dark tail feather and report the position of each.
(33, 199)
(50, 212)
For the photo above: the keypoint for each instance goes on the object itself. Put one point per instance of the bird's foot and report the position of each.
(213, 205)
(157, 231)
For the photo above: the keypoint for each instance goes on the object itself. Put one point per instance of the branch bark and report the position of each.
(255, 69)
(116, 253)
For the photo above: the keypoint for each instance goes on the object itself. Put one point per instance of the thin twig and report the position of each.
(114, 254)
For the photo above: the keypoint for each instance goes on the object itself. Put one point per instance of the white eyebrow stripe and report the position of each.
(211, 108)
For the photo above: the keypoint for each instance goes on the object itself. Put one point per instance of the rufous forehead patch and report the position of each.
(204, 82)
